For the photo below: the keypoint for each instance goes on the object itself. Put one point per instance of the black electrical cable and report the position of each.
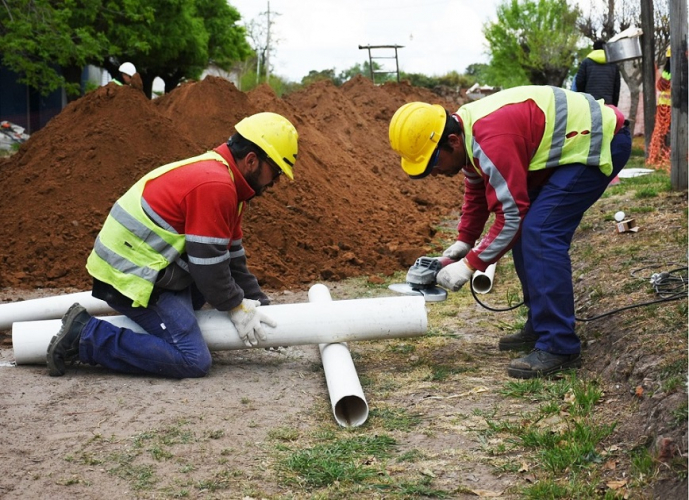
(668, 285)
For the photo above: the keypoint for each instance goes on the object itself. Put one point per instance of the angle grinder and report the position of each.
(421, 279)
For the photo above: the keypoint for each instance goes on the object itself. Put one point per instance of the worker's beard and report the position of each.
(252, 180)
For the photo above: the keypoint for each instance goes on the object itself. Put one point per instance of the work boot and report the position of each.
(64, 347)
(524, 340)
(542, 363)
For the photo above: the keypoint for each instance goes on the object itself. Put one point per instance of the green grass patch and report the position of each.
(341, 460)
(392, 419)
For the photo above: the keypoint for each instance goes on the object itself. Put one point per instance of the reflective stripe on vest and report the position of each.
(135, 244)
(578, 129)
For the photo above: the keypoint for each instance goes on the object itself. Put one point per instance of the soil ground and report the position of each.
(350, 213)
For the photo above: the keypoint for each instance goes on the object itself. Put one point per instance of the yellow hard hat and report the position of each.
(275, 135)
(667, 52)
(415, 130)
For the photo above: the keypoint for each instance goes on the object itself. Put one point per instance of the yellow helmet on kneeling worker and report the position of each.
(275, 135)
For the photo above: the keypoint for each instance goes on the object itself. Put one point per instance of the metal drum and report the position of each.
(623, 49)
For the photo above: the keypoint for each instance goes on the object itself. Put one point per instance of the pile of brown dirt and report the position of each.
(350, 212)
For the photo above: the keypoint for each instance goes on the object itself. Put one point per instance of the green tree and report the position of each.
(316, 76)
(477, 72)
(456, 80)
(532, 41)
(48, 42)
(420, 80)
(184, 38)
(37, 38)
(364, 69)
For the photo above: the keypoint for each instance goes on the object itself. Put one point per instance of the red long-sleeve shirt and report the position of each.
(201, 200)
(508, 139)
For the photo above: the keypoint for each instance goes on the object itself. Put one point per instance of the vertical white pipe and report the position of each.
(346, 395)
(297, 324)
(49, 308)
(482, 281)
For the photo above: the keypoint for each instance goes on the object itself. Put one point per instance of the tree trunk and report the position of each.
(148, 84)
(72, 74)
(631, 72)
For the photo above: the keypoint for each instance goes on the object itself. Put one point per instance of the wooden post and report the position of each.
(678, 72)
(648, 72)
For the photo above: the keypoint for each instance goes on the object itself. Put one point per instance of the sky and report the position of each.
(438, 36)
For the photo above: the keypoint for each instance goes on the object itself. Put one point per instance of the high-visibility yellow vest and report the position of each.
(665, 94)
(578, 129)
(131, 249)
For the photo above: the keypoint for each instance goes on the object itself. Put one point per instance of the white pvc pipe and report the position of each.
(346, 395)
(297, 324)
(49, 308)
(482, 281)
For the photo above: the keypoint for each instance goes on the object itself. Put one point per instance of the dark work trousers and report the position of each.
(541, 255)
(172, 347)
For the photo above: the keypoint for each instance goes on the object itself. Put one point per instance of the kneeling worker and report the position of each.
(170, 244)
(537, 157)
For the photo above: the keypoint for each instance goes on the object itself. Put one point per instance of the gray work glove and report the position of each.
(247, 320)
(457, 250)
(454, 276)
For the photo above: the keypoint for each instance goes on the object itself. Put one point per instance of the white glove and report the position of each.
(247, 319)
(457, 250)
(454, 276)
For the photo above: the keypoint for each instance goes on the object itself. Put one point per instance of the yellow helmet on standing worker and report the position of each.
(415, 130)
(275, 135)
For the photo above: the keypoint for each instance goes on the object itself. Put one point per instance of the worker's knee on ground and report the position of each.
(198, 366)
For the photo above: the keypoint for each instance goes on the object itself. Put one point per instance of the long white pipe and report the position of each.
(346, 395)
(49, 308)
(482, 281)
(297, 324)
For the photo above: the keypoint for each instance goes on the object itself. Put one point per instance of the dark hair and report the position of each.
(451, 127)
(240, 146)
(598, 44)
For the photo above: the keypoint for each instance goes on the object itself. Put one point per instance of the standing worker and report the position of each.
(129, 76)
(171, 243)
(659, 148)
(598, 77)
(537, 157)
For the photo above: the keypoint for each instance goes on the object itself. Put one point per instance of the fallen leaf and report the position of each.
(639, 392)
(428, 473)
(487, 493)
(475, 390)
(616, 485)
(569, 397)
(610, 465)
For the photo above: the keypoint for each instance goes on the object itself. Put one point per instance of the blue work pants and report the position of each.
(541, 254)
(172, 347)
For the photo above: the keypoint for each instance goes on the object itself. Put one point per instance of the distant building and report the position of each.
(24, 106)
(231, 76)
(477, 91)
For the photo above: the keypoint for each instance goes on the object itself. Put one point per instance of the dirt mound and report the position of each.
(350, 212)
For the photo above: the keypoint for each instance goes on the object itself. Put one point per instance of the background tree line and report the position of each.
(49, 42)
